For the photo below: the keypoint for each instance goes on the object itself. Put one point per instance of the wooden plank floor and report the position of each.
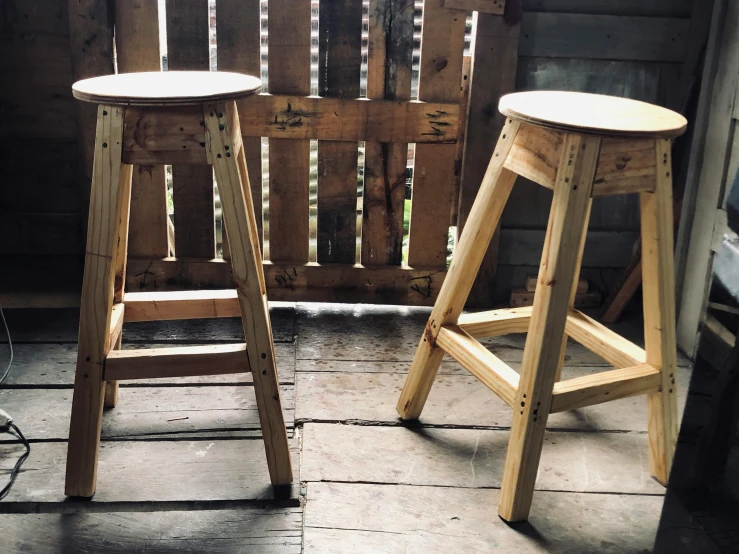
(182, 465)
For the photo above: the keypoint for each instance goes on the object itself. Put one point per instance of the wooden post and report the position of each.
(389, 63)
(339, 61)
(494, 63)
(659, 313)
(442, 51)
(91, 43)
(109, 201)
(239, 30)
(137, 49)
(289, 160)
(229, 163)
(494, 192)
(194, 209)
(543, 351)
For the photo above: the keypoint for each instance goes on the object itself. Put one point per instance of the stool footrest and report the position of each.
(480, 362)
(494, 323)
(597, 338)
(604, 387)
(184, 361)
(198, 304)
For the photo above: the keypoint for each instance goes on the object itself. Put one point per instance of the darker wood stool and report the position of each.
(200, 104)
(580, 146)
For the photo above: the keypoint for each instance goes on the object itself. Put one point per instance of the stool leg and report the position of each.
(108, 201)
(659, 313)
(573, 294)
(486, 211)
(227, 153)
(119, 263)
(543, 351)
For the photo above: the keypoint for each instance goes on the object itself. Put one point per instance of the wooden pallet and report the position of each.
(355, 261)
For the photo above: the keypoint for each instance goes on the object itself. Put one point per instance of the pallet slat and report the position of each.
(292, 282)
(389, 63)
(238, 36)
(137, 49)
(442, 47)
(339, 60)
(194, 214)
(289, 73)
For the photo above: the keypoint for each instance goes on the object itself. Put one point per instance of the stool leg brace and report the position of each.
(535, 393)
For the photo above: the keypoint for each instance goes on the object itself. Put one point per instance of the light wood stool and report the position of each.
(580, 146)
(202, 102)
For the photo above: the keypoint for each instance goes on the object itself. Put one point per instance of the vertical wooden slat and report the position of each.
(494, 62)
(194, 211)
(137, 49)
(91, 44)
(340, 58)
(442, 46)
(289, 160)
(238, 34)
(389, 60)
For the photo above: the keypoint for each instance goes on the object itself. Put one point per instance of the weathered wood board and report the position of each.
(150, 471)
(455, 400)
(60, 325)
(572, 461)
(148, 412)
(245, 529)
(365, 518)
(389, 334)
(53, 366)
(561, 35)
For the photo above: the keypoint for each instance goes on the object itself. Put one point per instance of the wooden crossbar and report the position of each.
(116, 325)
(185, 361)
(165, 135)
(494, 323)
(161, 306)
(597, 338)
(604, 387)
(493, 372)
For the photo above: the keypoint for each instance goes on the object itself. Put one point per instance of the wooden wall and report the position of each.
(44, 180)
(638, 48)
(633, 48)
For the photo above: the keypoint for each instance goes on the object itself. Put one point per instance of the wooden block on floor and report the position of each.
(577, 462)
(582, 285)
(47, 365)
(153, 412)
(363, 518)
(246, 529)
(455, 400)
(524, 297)
(150, 471)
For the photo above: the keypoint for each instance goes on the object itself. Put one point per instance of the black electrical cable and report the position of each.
(19, 463)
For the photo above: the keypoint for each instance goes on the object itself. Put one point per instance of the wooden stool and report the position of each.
(203, 103)
(580, 146)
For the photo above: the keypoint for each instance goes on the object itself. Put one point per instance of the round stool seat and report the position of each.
(165, 88)
(580, 112)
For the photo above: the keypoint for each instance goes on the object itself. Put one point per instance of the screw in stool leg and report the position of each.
(658, 283)
(109, 200)
(223, 136)
(476, 235)
(543, 351)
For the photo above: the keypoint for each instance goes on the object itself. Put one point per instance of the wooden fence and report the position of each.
(386, 121)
